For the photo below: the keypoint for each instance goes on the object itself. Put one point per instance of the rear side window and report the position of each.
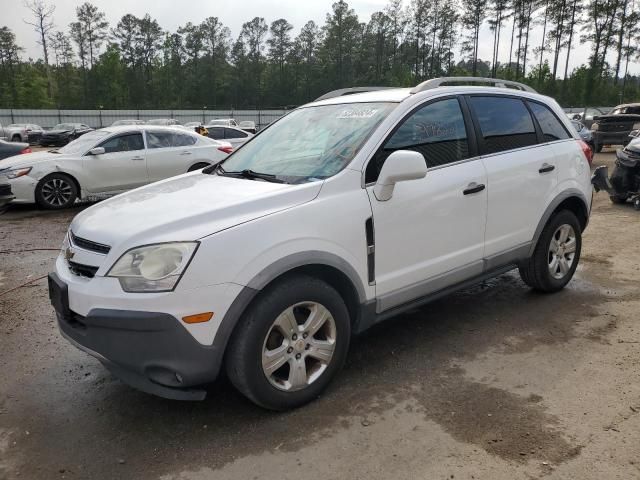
(437, 131)
(551, 127)
(159, 139)
(505, 123)
(183, 140)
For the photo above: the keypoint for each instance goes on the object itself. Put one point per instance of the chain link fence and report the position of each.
(104, 118)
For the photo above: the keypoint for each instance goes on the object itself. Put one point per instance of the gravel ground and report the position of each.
(494, 382)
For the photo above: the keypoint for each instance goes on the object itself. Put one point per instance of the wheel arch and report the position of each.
(572, 200)
(327, 267)
(66, 174)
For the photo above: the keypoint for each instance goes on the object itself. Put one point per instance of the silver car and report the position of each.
(14, 133)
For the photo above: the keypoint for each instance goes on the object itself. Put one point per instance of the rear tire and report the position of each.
(197, 166)
(290, 344)
(16, 138)
(556, 256)
(56, 191)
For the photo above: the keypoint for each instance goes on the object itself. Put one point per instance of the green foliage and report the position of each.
(136, 64)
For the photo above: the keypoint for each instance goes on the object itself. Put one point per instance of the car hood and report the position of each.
(29, 159)
(187, 207)
(56, 132)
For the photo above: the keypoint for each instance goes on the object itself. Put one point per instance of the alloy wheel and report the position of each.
(57, 192)
(562, 251)
(299, 346)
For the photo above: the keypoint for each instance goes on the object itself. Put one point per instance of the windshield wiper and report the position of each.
(249, 174)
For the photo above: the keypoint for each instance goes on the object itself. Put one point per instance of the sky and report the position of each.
(173, 13)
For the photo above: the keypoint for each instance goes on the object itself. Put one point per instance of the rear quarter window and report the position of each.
(505, 123)
(551, 127)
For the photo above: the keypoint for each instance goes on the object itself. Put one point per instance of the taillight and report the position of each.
(226, 149)
(26, 150)
(586, 149)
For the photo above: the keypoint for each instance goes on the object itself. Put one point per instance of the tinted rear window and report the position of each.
(551, 127)
(505, 123)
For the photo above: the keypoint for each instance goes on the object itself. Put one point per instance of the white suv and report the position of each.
(341, 214)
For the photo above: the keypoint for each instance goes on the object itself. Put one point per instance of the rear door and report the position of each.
(430, 234)
(522, 173)
(120, 168)
(169, 153)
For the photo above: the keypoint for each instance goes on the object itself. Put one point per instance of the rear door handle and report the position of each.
(546, 168)
(137, 158)
(185, 153)
(473, 187)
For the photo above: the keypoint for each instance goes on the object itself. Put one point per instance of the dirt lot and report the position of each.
(495, 382)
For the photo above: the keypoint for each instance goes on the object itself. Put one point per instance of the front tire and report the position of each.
(291, 343)
(56, 191)
(556, 256)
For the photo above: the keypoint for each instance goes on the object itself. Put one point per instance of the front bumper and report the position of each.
(23, 189)
(57, 141)
(150, 351)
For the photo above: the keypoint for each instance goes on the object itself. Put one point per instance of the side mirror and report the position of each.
(400, 166)
(634, 133)
(97, 151)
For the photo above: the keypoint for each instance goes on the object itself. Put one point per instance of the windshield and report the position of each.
(83, 143)
(64, 126)
(310, 143)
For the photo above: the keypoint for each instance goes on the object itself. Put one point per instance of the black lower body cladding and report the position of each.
(150, 351)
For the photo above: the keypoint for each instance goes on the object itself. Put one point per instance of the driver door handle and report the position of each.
(137, 158)
(546, 168)
(473, 187)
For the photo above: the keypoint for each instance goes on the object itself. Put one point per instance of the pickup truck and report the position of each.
(13, 133)
(614, 128)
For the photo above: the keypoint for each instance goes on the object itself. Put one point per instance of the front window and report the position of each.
(311, 143)
(83, 143)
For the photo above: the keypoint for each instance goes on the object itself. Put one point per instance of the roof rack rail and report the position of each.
(349, 91)
(495, 82)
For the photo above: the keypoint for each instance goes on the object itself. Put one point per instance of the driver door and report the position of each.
(430, 234)
(122, 166)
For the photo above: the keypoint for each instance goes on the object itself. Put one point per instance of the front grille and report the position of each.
(5, 190)
(89, 245)
(81, 270)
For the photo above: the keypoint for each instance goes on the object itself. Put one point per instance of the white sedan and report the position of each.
(108, 161)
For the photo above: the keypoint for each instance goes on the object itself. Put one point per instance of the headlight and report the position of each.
(594, 126)
(16, 172)
(153, 268)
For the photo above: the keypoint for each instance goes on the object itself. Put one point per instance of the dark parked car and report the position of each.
(63, 133)
(9, 149)
(614, 128)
